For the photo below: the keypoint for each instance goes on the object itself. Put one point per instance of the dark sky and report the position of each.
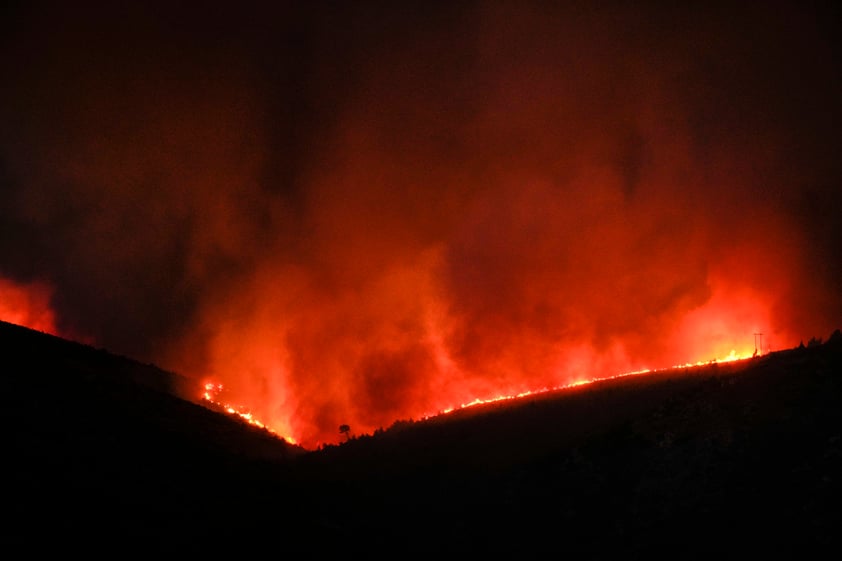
(355, 212)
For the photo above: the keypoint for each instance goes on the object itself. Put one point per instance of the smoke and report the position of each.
(359, 213)
(27, 305)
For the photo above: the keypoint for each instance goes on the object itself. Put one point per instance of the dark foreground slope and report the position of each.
(739, 460)
(97, 445)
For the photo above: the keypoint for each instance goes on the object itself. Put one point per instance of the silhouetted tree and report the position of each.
(346, 430)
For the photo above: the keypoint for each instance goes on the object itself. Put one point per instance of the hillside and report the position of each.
(95, 442)
(732, 459)
(729, 460)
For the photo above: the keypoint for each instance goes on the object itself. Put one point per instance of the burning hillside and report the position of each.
(363, 212)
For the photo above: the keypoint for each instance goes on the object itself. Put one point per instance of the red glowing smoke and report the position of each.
(27, 305)
(366, 214)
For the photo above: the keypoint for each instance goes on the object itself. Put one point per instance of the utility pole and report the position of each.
(756, 337)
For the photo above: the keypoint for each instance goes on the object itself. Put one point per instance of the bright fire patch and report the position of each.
(213, 395)
(27, 305)
(732, 357)
(214, 392)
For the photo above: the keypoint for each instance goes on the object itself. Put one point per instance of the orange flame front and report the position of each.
(212, 395)
(213, 392)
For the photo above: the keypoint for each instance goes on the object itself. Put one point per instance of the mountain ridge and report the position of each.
(720, 459)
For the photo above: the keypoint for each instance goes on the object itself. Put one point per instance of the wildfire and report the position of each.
(732, 357)
(212, 396)
(213, 392)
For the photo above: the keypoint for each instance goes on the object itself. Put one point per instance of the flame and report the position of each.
(305, 365)
(731, 357)
(491, 223)
(212, 394)
(214, 391)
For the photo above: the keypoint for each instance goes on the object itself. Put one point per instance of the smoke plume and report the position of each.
(354, 213)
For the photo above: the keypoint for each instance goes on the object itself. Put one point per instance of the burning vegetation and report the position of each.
(374, 212)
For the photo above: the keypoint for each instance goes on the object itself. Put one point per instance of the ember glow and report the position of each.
(365, 212)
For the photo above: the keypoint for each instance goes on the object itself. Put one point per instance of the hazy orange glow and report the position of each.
(27, 305)
(398, 348)
(719, 328)
(379, 211)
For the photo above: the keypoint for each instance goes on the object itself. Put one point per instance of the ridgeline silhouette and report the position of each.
(735, 459)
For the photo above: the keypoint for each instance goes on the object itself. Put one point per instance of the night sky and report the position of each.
(359, 212)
